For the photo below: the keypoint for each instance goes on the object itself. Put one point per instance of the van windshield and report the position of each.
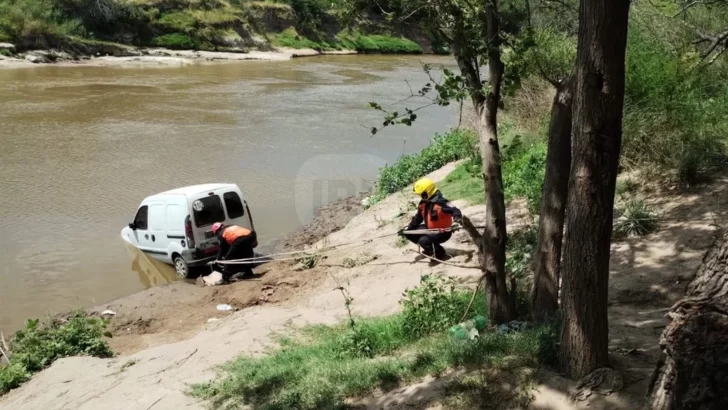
(208, 210)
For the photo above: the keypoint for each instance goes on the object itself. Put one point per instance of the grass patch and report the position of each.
(465, 182)
(322, 366)
(40, 344)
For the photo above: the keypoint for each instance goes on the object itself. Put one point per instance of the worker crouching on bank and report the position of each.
(235, 243)
(436, 213)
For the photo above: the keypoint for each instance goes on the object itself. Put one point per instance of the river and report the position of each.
(82, 146)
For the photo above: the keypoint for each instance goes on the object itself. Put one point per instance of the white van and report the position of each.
(176, 226)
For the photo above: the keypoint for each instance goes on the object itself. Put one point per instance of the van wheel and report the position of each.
(181, 267)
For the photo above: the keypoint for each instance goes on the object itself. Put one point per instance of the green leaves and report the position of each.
(40, 344)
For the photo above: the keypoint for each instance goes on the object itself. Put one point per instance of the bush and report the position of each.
(435, 305)
(524, 169)
(454, 145)
(40, 344)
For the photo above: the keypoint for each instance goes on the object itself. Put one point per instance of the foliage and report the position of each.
(309, 260)
(376, 43)
(324, 365)
(454, 145)
(175, 41)
(634, 218)
(520, 250)
(348, 40)
(434, 306)
(40, 344)
(180, 21)
(674, 105)
(524, 169)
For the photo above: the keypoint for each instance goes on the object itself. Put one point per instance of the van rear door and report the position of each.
(206, 210)
(235, 208)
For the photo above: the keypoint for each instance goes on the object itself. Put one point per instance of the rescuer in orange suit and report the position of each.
(434, 212)
(235, 243)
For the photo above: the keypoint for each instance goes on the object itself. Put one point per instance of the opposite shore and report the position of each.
(156, 57)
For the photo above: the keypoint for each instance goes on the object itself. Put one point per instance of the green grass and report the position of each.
(175, 41)
(321, 366)
(40, 344)
(454, 145)
(465, 182)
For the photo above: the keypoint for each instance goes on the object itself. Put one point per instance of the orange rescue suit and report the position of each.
(231, 233)
(435, 218)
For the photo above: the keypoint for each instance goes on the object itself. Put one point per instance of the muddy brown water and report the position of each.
(80, 147)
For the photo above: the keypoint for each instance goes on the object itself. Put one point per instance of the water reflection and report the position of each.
(151, 272)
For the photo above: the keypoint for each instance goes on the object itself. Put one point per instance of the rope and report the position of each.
(325, 250)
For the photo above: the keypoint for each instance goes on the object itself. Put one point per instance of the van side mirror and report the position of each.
(132, 226)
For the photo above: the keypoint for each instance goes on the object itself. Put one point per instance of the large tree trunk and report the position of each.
(547, 262)
(501, 306)
(693, 370)
(596, 144)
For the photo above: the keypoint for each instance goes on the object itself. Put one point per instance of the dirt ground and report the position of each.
(167, 341)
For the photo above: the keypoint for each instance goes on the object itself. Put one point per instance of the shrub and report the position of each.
(520, 248)
(634, 218)
(524, 169)
(434, 305)
(40, 344)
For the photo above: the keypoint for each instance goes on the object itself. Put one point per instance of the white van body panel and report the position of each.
(159, 225)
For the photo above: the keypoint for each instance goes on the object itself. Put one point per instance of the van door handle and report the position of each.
(153, 238)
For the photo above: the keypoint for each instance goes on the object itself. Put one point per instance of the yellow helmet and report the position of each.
(425, 188)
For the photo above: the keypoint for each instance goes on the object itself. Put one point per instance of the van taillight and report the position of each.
(188, 233)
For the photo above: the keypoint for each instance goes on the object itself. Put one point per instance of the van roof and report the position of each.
(196, 189)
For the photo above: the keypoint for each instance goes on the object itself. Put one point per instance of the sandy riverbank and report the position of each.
(156, 57)
(158, 364)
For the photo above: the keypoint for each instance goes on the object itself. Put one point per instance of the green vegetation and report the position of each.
(189, 24)
(347, 40)
(634, 218)
(40, 344)
(324, 365)
(456, 144)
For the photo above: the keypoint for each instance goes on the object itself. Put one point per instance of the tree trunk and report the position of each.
(547, 262)
(693, 370)
(596, 144)
(501, 307)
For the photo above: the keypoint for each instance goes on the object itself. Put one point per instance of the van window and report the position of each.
(140, 220)
(209, 212)
(234, 205)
